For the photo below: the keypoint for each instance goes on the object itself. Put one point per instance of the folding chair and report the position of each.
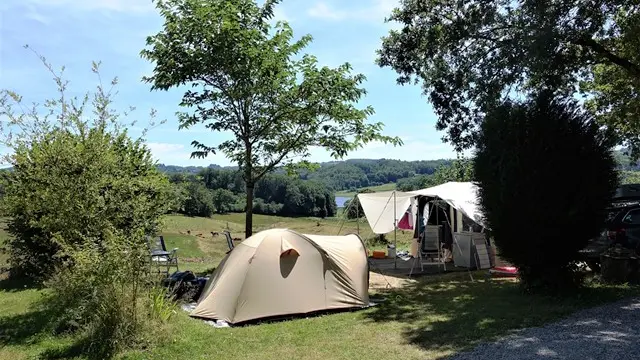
(161, 257)
(230, 243)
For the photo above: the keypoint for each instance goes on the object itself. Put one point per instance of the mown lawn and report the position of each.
(426, 318)
(200, 250)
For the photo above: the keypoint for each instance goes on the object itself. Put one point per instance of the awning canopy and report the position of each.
(462, 196)
(384, 209)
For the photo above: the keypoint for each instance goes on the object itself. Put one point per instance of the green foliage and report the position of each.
(81, 197)
(71, 189)
(249, 79)
(222, 191)
(460, 170)
(540, 214)
(470, 58)
(356, 174)
(199, 200)
(224, 200)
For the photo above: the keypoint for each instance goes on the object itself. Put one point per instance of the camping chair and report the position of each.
(160, 256)
(430, 243)
(230, 243)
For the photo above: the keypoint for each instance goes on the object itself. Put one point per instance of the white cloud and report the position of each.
(129, 6)
(179, 154)
(373, 11)
(323, 11)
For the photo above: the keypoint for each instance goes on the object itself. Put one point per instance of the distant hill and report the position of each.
(347, 175)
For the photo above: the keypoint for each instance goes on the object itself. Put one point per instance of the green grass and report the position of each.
(199, 250)
(378, 188)
(420, 319)
(425, 319)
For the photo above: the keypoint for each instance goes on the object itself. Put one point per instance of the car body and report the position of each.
(622, 225)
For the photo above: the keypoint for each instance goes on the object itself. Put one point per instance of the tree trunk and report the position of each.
(248, 224)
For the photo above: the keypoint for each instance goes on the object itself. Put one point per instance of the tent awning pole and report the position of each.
(395, 232)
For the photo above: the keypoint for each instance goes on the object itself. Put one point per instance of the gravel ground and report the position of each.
(607, 332)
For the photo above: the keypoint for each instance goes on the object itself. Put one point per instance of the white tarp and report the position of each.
(463, 196)
(379, 209)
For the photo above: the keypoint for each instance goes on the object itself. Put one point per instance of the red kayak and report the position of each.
(504, 271)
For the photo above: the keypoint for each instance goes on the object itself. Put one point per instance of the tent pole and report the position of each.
(358, 218)
(395, 232)
(344, 215)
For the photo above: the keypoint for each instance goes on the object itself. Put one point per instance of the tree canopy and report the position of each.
(248, 78)
(472, 55)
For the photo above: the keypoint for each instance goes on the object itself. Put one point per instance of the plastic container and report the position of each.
(391, 251)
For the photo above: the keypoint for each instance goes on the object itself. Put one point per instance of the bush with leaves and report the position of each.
(539, 212)
(80, 199)
(199, 200)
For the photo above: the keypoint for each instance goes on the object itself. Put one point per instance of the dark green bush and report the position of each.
(546, 173)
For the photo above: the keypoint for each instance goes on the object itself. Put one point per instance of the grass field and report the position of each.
(200, 250)
(384, 187)
(426, 318)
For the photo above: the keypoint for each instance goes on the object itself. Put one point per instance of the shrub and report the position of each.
(81, 197)
(71, 189)
(546, 174)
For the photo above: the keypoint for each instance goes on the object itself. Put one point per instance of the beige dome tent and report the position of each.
(281, 272)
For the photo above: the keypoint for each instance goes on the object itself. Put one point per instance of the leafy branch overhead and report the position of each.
(472, 55)
(248, 78)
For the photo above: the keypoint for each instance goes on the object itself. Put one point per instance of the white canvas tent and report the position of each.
(462, 196)
(384, 210)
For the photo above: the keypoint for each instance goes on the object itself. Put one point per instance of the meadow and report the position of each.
(425, 318)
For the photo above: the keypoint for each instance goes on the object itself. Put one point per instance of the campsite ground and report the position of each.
(425, 318)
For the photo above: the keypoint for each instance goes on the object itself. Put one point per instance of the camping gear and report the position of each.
(391, 251)
(280, 272)
(185, 285)
(414, 248)
(504, 271)
(230, 242)
(377, 254)
(160, 256)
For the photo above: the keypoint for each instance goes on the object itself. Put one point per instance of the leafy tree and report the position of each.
(539, 213)
(199, 201)
(460, 170)
(73, 180)
(224, 200)
(472, 55)
(247, 78)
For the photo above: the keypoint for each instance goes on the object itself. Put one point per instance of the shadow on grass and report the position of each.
(22, 328)
(456, 315)
(11, 283)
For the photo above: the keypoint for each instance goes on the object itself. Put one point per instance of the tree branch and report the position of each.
(598, 48)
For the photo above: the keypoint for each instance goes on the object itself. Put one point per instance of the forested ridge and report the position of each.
(218, 189)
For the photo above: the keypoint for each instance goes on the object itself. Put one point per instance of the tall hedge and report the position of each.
(545, 172)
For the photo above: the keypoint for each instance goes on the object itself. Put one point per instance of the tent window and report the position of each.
(290, 252)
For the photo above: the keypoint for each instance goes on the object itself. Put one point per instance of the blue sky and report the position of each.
(74, 33)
